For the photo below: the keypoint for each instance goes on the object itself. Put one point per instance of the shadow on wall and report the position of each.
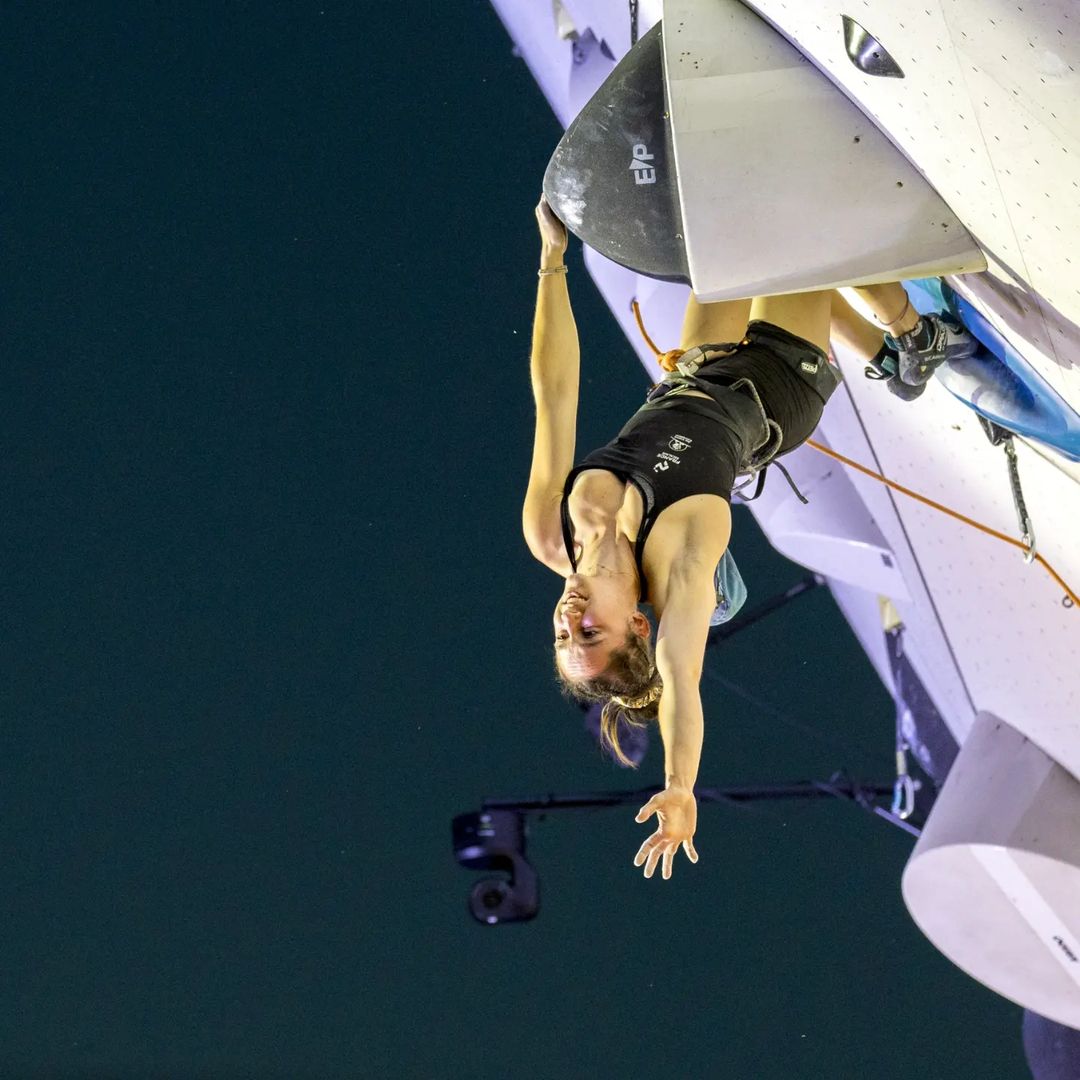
(1013, 303)
(1052, 1050)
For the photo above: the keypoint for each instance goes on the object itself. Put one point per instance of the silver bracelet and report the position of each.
(551, 270)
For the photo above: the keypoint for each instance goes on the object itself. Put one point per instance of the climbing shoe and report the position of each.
(935, 339)
(885, 368)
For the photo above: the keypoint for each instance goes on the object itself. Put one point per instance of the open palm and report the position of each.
(676, 814)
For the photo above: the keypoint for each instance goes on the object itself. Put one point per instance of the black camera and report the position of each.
(495, 840)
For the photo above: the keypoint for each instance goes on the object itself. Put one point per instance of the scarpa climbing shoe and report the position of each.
(935, 339)
(885, 368)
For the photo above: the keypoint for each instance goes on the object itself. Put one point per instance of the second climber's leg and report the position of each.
(854, 331)
(806, 315)
(856, 334)
(890, 306)
(922, 342)
(712, 324)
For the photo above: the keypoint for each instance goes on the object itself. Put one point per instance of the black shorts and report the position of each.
(792, 377)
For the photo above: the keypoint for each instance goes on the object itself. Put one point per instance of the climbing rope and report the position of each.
(1072, 597)
(668, 361)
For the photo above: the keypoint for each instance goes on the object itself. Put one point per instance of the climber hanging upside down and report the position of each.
(647, 518)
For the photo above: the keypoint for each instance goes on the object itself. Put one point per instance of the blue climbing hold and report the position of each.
(997, 382)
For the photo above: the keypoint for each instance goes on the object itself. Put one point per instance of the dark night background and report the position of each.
(269, 622)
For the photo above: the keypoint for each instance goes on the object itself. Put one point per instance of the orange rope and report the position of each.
(668, 361)
(945, 510)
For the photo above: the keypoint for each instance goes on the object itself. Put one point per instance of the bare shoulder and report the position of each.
(541, 524)
(684, 547)
(554, 557)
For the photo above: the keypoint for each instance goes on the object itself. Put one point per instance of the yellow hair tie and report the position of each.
(640, 701)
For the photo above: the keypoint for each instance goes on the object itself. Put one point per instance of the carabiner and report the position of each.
(903, 796)
(1028, 540)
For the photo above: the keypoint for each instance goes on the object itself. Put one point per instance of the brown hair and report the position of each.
(629, 687)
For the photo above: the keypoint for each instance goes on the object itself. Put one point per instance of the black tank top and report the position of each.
(669, 449)
(681, 445)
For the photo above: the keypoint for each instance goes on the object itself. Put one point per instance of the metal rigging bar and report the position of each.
(838, 786)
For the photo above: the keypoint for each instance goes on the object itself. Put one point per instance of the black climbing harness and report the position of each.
(754, 467)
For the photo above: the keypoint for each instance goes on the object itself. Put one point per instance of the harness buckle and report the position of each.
(690, 362)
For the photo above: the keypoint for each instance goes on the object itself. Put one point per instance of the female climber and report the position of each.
(646, 518)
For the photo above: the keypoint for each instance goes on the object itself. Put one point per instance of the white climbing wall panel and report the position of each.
(989, 112)
(785, 186)
(986, 630)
